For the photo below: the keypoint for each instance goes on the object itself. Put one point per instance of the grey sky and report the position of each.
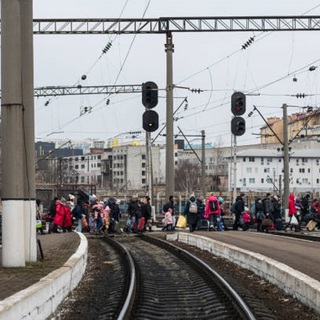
(62, 60)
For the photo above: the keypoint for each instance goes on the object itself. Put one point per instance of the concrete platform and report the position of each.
(290, 263)
(34, 292)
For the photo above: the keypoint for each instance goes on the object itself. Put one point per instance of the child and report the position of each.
(167, 221)
(246, 219)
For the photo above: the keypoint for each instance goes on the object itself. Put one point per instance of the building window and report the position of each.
(143, 173)
(269, 160)
(301, 170)
(143, 157)
(82, 179)
(82, 166)
(76, 166)
(305, 181)
(262, 161)
(297, 162)
(143, 181)
(244, 182)
(143, 165)
(317, 180)
(317, 162)
(266, 170)
(291, 170)
(304, 160)
(251, 159)
(262, 180)
(309, 170)
(252, 180)
(249, 170)
(244, 159)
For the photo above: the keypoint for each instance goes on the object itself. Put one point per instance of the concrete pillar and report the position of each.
(12, 133)
(29, 135)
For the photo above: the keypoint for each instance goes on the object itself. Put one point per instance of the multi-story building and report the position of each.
(299, 125)
(261, 170)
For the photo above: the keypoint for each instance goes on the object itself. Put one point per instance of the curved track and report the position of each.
(172, 284)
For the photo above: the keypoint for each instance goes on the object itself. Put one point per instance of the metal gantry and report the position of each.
(81, 90)
(175, 24)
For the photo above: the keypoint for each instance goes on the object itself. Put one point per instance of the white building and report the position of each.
(261, 170)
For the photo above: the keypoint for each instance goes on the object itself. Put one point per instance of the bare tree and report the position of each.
(187, 176)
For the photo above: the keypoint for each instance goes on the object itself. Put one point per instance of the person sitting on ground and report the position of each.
(167, 221)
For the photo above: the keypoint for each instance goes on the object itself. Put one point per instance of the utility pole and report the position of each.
(169, 136)
(203, 165)
(285, 162)
(234, 168)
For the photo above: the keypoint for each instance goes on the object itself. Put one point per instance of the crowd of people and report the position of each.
(99, 217)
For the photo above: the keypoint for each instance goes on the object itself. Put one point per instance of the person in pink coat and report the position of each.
(212, 211)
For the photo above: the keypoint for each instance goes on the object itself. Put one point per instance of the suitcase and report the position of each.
(311, 225)
(141, 224)
(204, 224)
(278, 224)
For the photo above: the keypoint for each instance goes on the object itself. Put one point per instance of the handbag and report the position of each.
(182, 222)
(294, 220)
(38, 224)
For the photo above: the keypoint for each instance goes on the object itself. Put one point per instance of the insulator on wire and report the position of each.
(300, 95)
(248, 43)
(107, 47)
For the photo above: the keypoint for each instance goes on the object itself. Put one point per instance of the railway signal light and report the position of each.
(149, 94)
(238, 126)
(150, 120)
(238, 104)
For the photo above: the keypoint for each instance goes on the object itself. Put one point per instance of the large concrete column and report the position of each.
(13, 239)
(29, 135)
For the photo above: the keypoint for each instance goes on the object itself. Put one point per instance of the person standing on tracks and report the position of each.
(171, 205)
(146, 211)
(78, 215)
(259, 213)
(134, 214)
(267, 206)
(212, 211)
(292, 213)
(191, 211)
(239, 208)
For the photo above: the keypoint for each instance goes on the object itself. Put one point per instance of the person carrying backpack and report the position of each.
(192, 212)
(212, 211)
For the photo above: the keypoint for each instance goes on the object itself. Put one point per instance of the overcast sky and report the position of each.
(213, 62)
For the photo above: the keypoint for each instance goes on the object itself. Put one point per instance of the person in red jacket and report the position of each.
(212, 211)
(62, 219)
(292, 213)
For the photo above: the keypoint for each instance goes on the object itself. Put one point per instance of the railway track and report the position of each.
(169, 283)
(134, 279)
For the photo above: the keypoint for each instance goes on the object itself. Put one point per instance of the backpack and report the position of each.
(233, 208)
(213, 205)
(193, 208)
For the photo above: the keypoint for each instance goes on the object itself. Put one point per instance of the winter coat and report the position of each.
(239, 207)
(146, 211)
(63, 216)
(167, 219)
(291, 205)
(192, 218)
(208, 210)
(134, 209)
(167, 206)
(78, 211)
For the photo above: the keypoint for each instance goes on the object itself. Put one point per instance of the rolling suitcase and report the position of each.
(204, 224)
(311, 225)
(141, 224)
